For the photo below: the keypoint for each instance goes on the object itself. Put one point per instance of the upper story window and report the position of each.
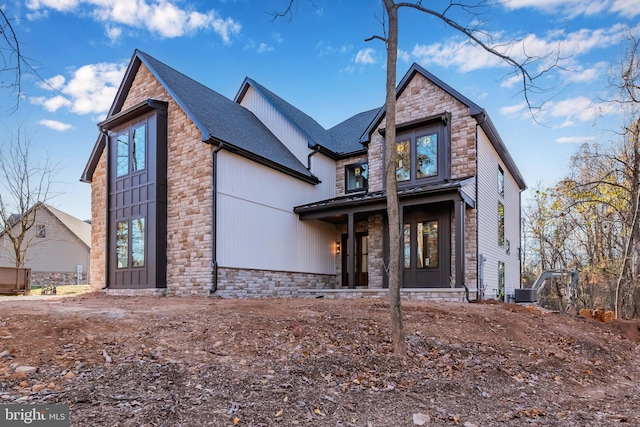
(420, 155)
(500, 181)
(131, 149)
(356, 177)
(500, 224)
(41, 231)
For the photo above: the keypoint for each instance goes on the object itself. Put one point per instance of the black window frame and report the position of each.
(353, 166)
(501, 225)
(129, 130)
(500, 181)
(421, 127)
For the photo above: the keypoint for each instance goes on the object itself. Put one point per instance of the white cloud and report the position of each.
(52, 104)
(403, 55)
(566, 48)
(55, 125)
(575, 139)
(366, 56)
(277, 37)
(112, 32)
(90, 90)
(264, 48)
(163, 17)
(573, 8)
(52, 83)
(326, 48)
(569, 112)
(59, 5)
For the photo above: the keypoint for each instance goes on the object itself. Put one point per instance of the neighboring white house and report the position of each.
(59, 247)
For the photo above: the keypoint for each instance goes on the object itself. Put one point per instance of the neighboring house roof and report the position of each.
(475, 111)
(77, 227)
(338, 141)
(220, 120)
(80, 228)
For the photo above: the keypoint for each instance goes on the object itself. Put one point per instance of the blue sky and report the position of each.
(319, 62)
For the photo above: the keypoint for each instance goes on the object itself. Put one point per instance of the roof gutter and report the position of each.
(214, 220)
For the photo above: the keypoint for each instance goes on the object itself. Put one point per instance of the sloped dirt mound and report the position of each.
(195, 361)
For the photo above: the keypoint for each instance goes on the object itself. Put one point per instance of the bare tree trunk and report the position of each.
(393, 214)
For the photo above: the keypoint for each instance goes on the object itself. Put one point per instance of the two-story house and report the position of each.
(57, 246)
(194, 193)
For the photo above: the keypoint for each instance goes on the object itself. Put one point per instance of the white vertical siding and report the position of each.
(257, 227)
(277, 124)
(487, 208)
(60, 251)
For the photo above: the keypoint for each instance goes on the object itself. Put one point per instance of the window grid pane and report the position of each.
(122, 151)
(357, 177)
(500, 224)
(407, 246)
(137, 242)
(427, 156)
(428, 244)
(138, 148)
(122, 244)
(403, 160)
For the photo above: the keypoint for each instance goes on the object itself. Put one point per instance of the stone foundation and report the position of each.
(242, 283)
(44, 278)
(420, 294)
(157, 292)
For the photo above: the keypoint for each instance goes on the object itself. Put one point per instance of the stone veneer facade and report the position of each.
(44, 278)
(420, 99)
(189, 216)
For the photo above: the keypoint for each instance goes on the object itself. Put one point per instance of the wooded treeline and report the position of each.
(589, 219)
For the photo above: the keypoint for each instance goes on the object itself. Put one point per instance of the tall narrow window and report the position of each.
(501, 280)
(122, 163)
(407, 245)
(137, 242)
(403, 160)
(122, 244)
(428, 244)
(500, 181)
(500, 224)
(427, 156)
(138, 148)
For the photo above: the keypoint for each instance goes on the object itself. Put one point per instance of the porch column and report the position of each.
(351, 251)
(459, 241)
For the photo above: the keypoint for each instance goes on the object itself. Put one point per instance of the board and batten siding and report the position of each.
(277, 124)
(60, 251)
(257, 228)
(488, 198)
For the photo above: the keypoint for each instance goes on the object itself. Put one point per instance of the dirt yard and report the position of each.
(171, 361)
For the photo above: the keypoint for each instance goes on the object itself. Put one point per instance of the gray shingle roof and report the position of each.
(340, 140)
(221, 119)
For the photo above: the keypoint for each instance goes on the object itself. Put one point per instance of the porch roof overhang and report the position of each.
(334, 210)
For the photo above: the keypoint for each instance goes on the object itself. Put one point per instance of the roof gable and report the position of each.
(475, 111)
(216, 116)
(340, 140)
(78, 228)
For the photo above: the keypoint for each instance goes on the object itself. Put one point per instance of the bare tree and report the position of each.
(25, 183)
(473, 30)
(13, 62)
